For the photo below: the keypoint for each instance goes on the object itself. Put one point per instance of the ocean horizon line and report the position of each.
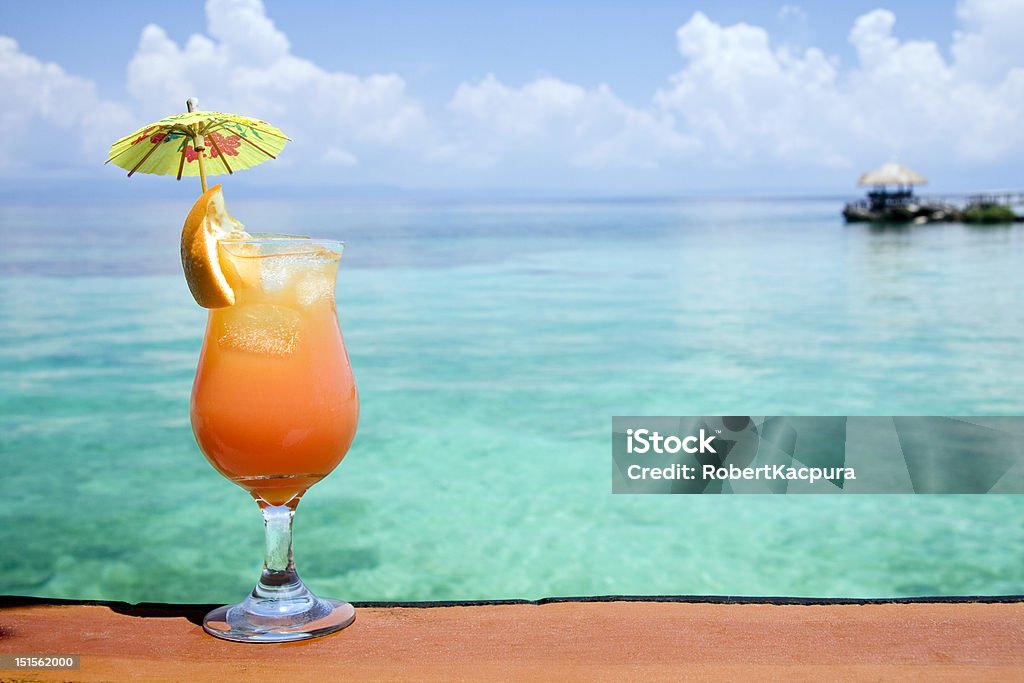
(92, 193)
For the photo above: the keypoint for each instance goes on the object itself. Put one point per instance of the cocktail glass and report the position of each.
(274, 409)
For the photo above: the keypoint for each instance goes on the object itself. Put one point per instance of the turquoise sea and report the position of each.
(492, 343)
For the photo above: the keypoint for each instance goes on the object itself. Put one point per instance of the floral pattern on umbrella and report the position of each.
(226, 142)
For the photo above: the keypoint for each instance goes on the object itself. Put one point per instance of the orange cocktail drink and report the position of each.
(274, 404)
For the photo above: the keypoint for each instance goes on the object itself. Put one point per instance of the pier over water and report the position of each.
(901, 205)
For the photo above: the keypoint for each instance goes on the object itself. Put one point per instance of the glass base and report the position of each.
(258, 621)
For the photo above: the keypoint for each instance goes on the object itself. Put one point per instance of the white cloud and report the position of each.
(245, 65)
(989, 45)
(246, 33)
(552, 121)
(49, 116)
(748, 101)
(745, 100)
(754, 102)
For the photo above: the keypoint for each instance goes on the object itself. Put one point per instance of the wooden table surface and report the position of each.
(555, 641)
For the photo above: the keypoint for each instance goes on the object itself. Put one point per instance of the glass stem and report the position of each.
(279, 580)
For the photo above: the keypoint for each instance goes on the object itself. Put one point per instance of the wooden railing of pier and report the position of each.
(1003, 198)
(1009, 198)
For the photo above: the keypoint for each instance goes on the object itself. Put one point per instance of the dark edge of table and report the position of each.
(9, 601)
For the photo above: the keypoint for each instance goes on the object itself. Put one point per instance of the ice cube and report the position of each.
(314, 286)
(261, 328)
(276, 272)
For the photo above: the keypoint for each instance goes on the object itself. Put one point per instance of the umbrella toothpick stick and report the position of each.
(198, 143)
(200, 148)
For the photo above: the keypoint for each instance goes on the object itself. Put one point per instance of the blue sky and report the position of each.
(637, 98)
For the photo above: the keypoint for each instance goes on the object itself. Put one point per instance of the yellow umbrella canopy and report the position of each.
(892, 174)
(198, 143)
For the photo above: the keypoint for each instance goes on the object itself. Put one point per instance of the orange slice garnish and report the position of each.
(208, 222)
